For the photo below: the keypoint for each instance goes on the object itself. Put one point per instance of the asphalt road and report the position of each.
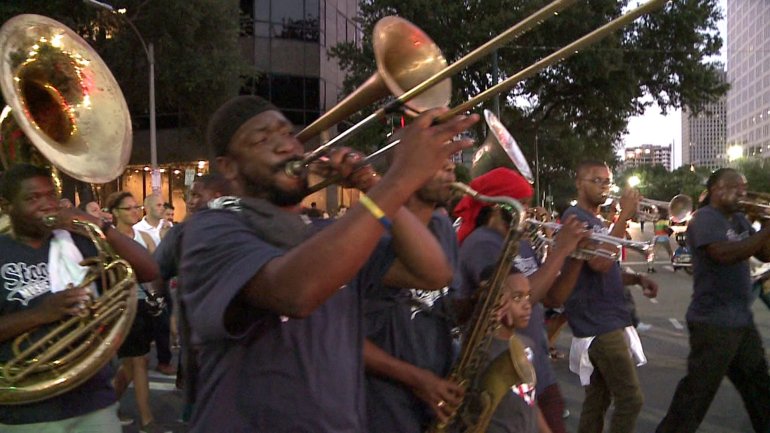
(665, 344)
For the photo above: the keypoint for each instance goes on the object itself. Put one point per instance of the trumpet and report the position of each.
(297, 167)
(541, 242)
(679, 208)
(756, 205)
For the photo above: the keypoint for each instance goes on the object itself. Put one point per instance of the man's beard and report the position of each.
(273, 193)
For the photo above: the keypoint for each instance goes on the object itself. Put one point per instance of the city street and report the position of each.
(665, 345)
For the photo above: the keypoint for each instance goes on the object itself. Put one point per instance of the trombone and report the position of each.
(296, 167)
(374, 88)
(756, 205)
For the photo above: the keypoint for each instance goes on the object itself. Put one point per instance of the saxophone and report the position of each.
(485, 382)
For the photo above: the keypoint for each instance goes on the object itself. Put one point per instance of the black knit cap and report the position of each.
(231, 116)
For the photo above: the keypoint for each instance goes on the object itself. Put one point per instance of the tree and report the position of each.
(579, 108)
(657, 183)
(757, 175)
(198, 64)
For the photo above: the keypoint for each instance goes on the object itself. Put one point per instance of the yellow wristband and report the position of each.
(375, 211)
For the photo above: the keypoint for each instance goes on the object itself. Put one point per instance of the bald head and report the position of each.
(153, 208)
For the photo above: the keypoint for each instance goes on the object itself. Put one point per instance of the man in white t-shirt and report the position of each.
(153, 222)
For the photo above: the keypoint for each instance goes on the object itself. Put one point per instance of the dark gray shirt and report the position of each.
(482, 249)
(721, 293)
(597, 304)
(24, 283)
(272, 374)
(414, 326)
(516, 412)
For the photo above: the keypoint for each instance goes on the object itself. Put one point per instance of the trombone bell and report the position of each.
(406, 57)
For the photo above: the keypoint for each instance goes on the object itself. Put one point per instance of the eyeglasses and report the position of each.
(130, 208)
(600, 181)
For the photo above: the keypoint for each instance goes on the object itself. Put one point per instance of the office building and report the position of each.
(704, 135)
(647, 154)
(748, 72)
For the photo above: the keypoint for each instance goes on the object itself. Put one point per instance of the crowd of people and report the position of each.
(292, 322)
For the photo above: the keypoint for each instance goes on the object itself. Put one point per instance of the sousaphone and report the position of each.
(65, 111)
(499, 150)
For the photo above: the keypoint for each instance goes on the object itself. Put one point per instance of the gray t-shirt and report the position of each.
(24, 283)
(272, 374)
(721, 294)
(516, 412)
(414, 326)
(597, 304)
(482, 249)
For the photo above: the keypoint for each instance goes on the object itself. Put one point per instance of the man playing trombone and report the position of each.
(724, 340)
(275, 306)
(599, 316)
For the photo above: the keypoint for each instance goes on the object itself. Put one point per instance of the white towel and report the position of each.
(64, 259)
(580, 364)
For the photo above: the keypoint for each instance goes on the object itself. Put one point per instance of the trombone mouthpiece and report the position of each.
(294, 168)
(49, 220)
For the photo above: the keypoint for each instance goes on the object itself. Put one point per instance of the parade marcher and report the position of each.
(517, 411)
(724, 340)
(275, 305)
(203, 189)
(34, 296)
(482, 233)
(599, 317)
(408, 351)
(132, 353)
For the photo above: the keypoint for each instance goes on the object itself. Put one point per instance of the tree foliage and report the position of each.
(198, 64)
(579, 108)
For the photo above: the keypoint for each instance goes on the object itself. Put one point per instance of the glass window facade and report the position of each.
(288, 19)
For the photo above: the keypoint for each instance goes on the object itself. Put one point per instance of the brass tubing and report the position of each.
(512, 33)
(554, 58)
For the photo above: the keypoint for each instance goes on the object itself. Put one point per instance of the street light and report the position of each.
(734, 152)
(634, 181)
(148, 50)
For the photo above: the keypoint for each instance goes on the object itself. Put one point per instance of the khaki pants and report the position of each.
(101, 421)
(614, 379)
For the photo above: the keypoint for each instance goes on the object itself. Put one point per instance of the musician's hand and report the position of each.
(66, 216)
(649, 286)
(443, 396)
(425, 147)
(629, 202)
(572, 232)
(69, 302)
(540, 213)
